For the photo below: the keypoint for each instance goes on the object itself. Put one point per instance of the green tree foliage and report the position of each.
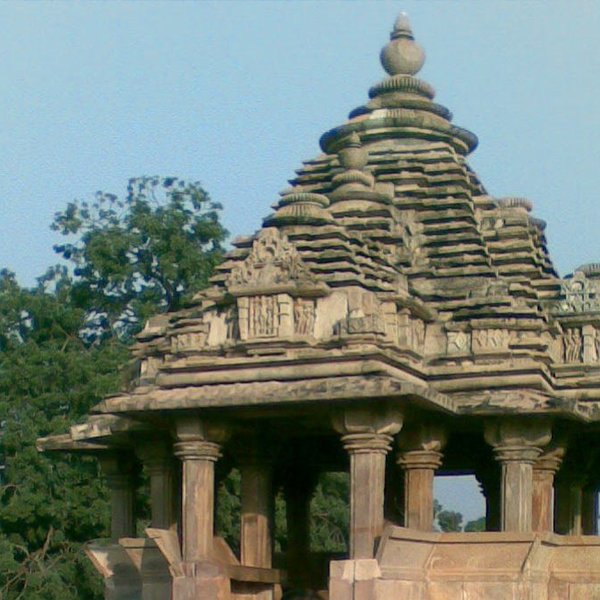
(48, 504)
(148, 251)
(62, 349)
(450, 520)
(476, 525)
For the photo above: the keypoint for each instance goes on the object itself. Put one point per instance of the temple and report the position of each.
(392, 320)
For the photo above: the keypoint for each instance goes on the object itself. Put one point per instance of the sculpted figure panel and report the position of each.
(263, 317)
(573, 346)
(304, 316)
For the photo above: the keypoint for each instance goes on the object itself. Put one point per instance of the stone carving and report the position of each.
(579, 294)
(459, 342)
(416, 335)
(272, 261)
(304, 316)
(233, 323)
(193, 340)
(490, 339)
(263, 316)
(573, 346)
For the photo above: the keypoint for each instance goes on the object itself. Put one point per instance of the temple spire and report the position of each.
(402, 55)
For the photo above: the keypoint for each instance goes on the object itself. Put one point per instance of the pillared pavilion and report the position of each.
(393, 320)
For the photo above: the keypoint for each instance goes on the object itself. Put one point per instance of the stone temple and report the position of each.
(392, 320)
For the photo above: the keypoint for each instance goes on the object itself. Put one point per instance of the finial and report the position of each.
(402, 55)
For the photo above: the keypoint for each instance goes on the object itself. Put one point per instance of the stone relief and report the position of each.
(272, 261)
(490, 339)
(263, 316)
(194, 340)
(304, 316)
(416, 335)
(573, 346)
(579, 294)
(232, 322)
(459, 342)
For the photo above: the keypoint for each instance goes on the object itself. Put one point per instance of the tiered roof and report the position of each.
(385, 270)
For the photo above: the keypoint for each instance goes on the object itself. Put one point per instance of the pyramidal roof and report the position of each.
(385, 271)
(392, 202)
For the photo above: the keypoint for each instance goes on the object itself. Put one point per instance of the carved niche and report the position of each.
(304, 316)
(273, 262)
(275, 291)
(572, 345)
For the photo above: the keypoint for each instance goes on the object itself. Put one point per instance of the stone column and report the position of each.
(544, 470)
(589, 511)
(256, 530)
(568, 503)
(420, 456)
(367, 437)
(488, 477)
(121, 479)
(198, 455)
(298, 489)
(157, 457)
(517, 444)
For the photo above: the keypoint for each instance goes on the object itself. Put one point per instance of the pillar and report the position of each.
(568, 503)
(367, 437)
(544, 470)
(420, 457)
(517, 443)
(589, 511)
(256, 530)
(158, 460)
(121, 479)
(198, 455)
(488, 477)
(298, 489)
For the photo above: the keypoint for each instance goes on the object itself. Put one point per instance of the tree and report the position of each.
(147, 252)
(450, 520)
(62, 348)
(48, 504)
(476, 525)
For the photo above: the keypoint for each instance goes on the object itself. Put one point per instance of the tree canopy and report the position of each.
(63, 346)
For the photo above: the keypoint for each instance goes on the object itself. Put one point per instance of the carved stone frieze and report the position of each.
(487, 340)
(459, 342)
(273, 261)
(579, 294)
(190, 340)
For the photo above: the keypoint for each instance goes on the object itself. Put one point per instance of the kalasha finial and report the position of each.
(402, 55)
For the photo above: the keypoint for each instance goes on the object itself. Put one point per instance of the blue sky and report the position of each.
(236, 95)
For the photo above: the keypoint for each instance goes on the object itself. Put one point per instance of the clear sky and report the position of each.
(236, 95)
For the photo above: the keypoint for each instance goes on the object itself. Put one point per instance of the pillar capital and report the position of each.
(516, 439)
(367, 443)
(197, 450)
(368, 420)
(118, 469)
(421, 459)
(551, 459)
